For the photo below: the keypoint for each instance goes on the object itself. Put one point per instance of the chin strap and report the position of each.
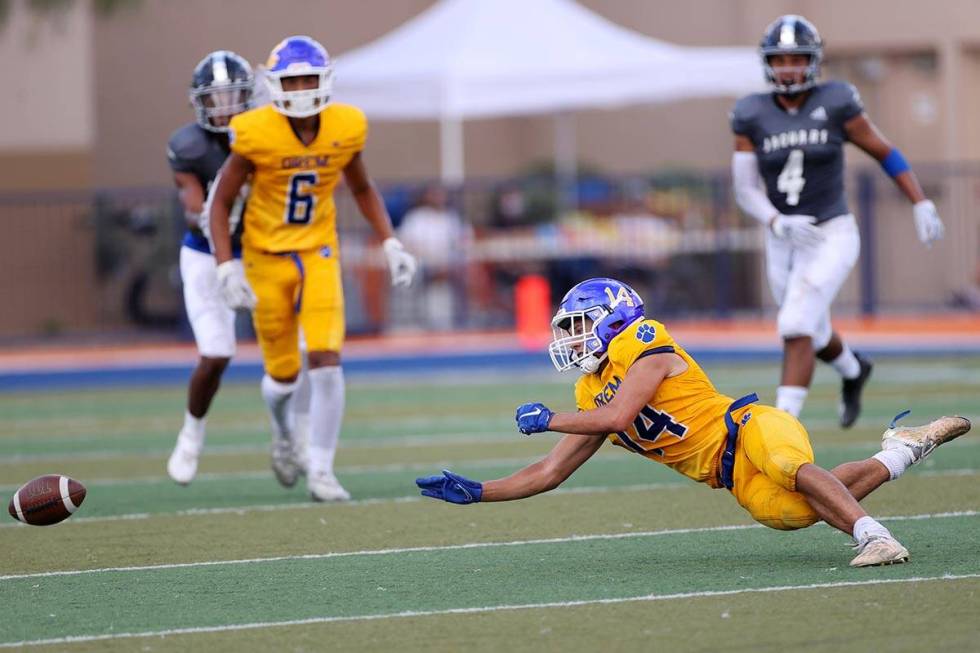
(590, 364)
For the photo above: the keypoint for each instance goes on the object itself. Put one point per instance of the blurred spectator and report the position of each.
(440, 239)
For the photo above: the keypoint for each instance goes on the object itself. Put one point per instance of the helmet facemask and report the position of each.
(301, 103)
(811, 71)
(576, 342)
(221, 101)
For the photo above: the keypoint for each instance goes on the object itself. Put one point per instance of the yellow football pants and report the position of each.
(771, 447)
(295, 289)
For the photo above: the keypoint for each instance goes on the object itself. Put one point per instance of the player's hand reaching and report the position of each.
(800, 230)
(401, 264)
(234, 287)
(928, 225)
(451, 487)
(533, 418)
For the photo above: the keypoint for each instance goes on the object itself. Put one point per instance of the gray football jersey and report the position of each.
(197, 151)
(201, 153)
(801, 154)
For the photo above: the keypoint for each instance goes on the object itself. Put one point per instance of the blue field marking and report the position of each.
(398, 365)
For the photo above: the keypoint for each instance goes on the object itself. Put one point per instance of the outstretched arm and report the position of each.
(546, 474)
(863, 133)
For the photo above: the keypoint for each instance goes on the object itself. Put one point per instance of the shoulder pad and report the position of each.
(746, 111)
(840, 92)
(188, 143)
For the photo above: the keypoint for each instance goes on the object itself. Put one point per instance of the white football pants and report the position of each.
(211, 319)
(805, 281)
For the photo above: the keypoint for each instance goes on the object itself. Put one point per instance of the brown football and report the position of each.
(46, 500)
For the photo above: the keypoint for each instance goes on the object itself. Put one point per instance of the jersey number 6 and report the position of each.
(300, 200)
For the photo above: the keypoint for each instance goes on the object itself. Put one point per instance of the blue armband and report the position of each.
(895, 164)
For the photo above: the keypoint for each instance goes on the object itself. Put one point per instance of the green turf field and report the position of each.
(626, 556)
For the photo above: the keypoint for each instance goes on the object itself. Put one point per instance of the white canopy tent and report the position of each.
(465, 59)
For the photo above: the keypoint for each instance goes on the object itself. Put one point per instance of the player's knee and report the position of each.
(795, 324)
(214, 365)
(323, 359)
(784, 511)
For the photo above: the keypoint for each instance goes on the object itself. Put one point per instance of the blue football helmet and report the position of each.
(590, 315)
(299, 56)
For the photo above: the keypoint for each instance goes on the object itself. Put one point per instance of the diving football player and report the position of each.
(641, 391)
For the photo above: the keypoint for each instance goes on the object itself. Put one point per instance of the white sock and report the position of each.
(301, 397)
(326, 414)
(847, 364)
(897, 460)
(276, 396)
(301, 413)
(866, 527)
(790, 398)
(193, 431)
(194, 425)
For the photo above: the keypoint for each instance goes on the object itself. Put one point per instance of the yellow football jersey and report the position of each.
(683, 424)
(291, 207)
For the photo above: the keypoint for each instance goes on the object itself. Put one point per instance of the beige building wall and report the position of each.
(114, 87)
(89, 101)
(47, 123)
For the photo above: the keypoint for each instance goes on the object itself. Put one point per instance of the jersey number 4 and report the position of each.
(300, 200)
(649, 426)
(791, 180)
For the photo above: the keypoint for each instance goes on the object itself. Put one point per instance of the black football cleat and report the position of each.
(850, 396)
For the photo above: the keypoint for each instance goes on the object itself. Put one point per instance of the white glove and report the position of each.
(800, 230)
(401, 264)
(927, 223)
(234, 287)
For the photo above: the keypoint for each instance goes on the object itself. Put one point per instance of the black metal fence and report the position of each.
(105, 262)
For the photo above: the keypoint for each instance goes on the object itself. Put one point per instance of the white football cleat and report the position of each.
(878, 550)
(324, 486)
(923, 440)
(284, 463)
(182, 465)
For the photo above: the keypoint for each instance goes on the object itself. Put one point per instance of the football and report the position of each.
(46, 500)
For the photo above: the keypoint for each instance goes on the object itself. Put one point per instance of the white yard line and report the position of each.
(446, 547)
(275, 507)
(609, 456)
(485, 609)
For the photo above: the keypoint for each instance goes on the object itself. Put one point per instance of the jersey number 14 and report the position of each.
(791, 180)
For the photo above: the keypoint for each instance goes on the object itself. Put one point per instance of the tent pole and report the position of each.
(451, 151)
(565, 162)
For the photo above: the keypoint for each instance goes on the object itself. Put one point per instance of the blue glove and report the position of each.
(533, 418)
(451, 487)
